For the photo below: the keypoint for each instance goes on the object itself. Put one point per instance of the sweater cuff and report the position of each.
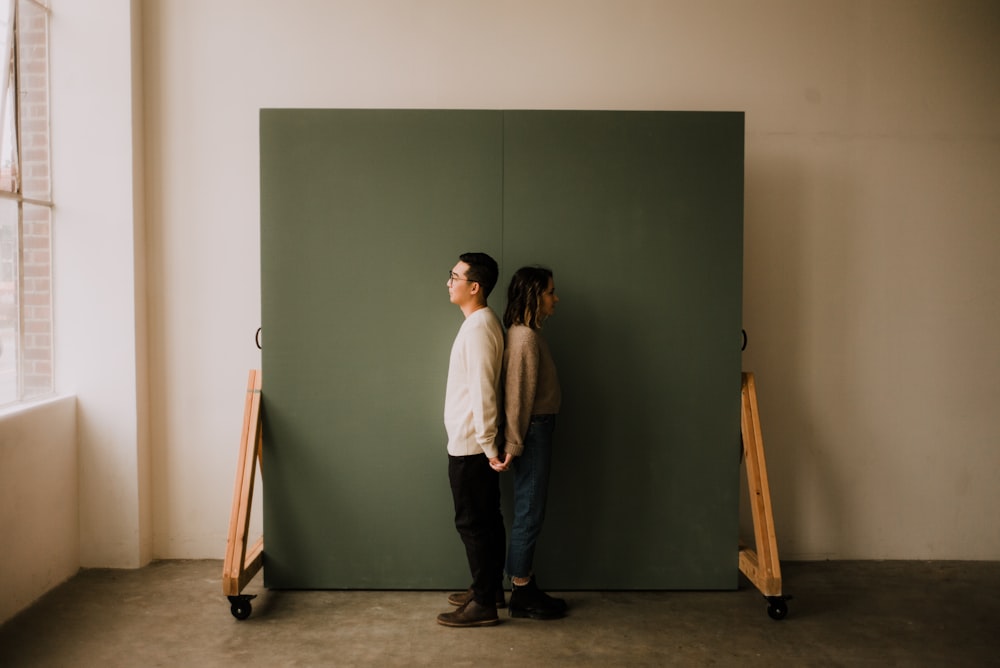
(514, 449)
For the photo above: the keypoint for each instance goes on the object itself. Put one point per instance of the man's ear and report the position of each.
(475, 288)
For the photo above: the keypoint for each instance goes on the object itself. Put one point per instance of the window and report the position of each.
(25, 202)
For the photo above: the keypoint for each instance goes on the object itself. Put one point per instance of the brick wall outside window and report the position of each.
(33, 80)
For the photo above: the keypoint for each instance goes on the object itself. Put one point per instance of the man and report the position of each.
(470, 418)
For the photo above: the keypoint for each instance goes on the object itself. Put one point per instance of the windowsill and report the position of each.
(20, 408)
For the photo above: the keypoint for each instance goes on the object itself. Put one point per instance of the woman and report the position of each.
(531, 402)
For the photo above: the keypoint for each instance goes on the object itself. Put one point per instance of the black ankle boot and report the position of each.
(530, 601)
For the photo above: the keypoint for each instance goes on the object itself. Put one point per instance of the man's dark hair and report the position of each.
(482, 269)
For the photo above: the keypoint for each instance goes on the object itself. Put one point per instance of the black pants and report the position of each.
(475, 488)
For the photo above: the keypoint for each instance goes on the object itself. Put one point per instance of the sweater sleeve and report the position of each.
(520, 384)
(484, 356)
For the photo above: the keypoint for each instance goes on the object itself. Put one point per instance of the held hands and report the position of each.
(499, 465)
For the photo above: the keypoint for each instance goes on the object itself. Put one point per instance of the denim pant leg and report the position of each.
(531, 488)
(475, 490)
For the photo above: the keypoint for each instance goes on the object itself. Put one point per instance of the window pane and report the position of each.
(33, 83)
(8, 302)
(36, 302)
(25, 228)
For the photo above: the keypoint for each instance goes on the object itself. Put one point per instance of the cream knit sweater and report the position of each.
(470, 403)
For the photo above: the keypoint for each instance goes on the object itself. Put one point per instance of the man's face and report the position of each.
(460, 289)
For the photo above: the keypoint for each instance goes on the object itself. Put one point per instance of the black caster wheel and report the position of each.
(240, 606)
(777, 608)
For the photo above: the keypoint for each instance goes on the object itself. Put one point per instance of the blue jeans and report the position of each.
(531, 489)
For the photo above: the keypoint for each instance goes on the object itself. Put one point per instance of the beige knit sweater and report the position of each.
(531, 385)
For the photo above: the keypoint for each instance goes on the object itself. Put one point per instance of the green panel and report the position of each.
(639, 215)
(362, 215)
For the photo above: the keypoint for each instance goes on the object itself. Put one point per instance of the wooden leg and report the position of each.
(240, 564)
(760, 564)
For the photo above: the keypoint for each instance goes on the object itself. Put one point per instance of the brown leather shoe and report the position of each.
(470, 614)
(460, 598)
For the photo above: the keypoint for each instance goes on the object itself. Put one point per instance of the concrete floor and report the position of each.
(172, 613)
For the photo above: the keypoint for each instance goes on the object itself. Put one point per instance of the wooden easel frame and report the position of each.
(242, 564)
(760, 564)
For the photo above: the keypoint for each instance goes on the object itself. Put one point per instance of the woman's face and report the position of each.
(549, 300)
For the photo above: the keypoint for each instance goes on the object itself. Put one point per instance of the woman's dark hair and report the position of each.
(524, 296)
(482, 269)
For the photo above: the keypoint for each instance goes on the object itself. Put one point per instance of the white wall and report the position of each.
(873, 154)
(99, 285)
(873, 151)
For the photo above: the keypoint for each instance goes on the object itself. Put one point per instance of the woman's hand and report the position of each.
(501, 466)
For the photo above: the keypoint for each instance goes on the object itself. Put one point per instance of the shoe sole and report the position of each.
(459, 603)
(466, 625)
(531, 614)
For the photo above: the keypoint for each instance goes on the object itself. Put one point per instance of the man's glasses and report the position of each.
(452, 276)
